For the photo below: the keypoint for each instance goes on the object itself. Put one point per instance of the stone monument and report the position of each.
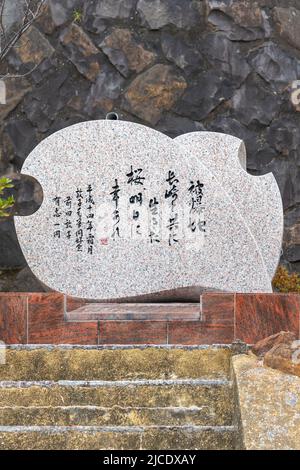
(129, 213)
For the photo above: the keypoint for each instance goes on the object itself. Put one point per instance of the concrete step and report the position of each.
(29, 363)
(73, 397)
(89, 415)
(117, 438)
(135, 393)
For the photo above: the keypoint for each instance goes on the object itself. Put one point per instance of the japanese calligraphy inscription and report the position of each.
(129, 212)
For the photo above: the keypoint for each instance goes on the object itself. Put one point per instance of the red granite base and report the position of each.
(28, 318)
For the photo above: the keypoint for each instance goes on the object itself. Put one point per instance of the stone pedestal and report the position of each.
(52, 318)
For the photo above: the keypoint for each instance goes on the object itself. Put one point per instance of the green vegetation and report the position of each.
(7, 203)
(77, 16)
(284, 281)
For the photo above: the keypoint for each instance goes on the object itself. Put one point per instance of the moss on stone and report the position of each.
(118, 364)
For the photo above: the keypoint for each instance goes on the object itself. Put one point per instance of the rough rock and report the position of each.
(288, 23)
(283, 135)
(226, 55)
(16, 89)
(10, 252)
(185, 56)
(104, 92)
(295, 95)
(108, 9)
(62, 123)
(159, 13)
(244, 12)
(13, 13)
(284, 357)
(97, 13)
(174, 125)
(292, 217)
(292, 242)
(20, 280)
(287, 174)
(46, 69)
(229, 125)
(6, 154)
(269, 406)
(253, 102)
(275, 65)
(240, 20)
(259, 154)
(40, 107)
(28, 194)
(25, 281)
(23, 138)
(78, 101)
(153, 92)
(208, 90)
(81, 51)
(125, 53)
(263, 346)
(62, 11)
(239, 347)
(32, 48)
(45, 21)
(2, 92)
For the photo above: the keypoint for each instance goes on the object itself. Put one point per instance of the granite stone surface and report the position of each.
(129, 212)
(257, 200)
(176, 65)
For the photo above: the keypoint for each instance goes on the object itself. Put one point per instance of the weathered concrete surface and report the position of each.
(185, 438)
(128, 393)
(53, 439)
(118, 415)
(269, 406)
(127, 398)
(97, 438)
(58, 363)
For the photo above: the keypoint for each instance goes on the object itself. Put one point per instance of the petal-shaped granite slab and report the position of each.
(257, 198)
(88, 241)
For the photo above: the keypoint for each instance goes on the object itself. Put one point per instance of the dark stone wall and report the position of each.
(175, 65)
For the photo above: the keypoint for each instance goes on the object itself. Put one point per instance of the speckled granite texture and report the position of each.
(257, 199)
(100, 234)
